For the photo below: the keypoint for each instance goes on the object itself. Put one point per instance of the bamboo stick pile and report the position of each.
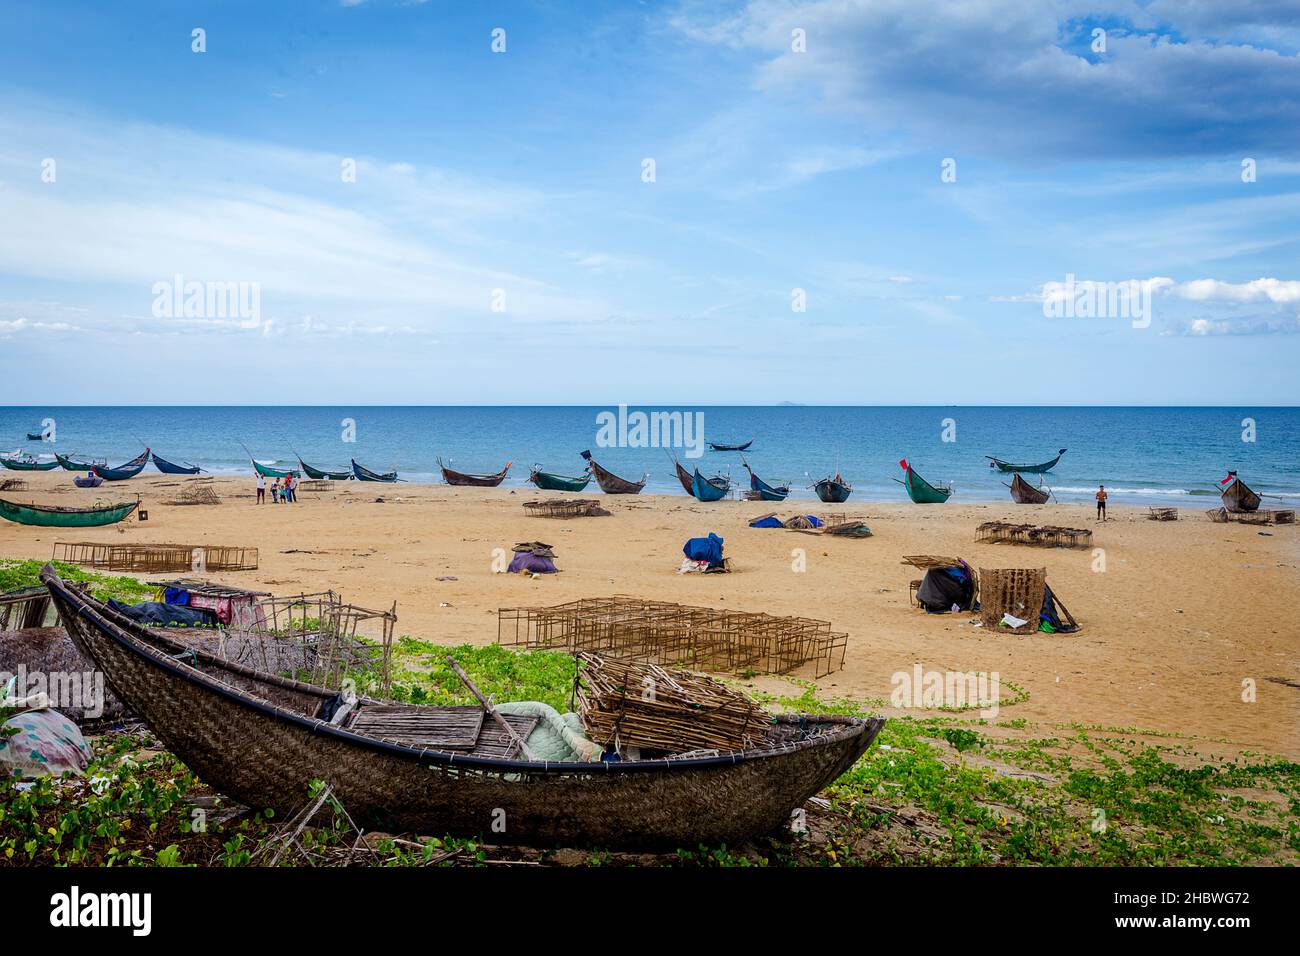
(627, 704)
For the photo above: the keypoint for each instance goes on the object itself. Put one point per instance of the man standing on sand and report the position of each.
(1101, 502)
(261, 489)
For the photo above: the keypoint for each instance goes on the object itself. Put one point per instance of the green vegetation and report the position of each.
(21, 574)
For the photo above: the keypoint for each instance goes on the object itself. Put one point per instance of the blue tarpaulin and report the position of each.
(704, 549)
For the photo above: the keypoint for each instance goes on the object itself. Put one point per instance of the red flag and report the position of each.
(902, 463)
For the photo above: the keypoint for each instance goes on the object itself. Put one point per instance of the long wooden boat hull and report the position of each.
(685, 478)
(320, 474)
(833, 492)
(1023, 493)
(35, 437)
(123, 472)
(720, 447)
(709, 489)
(760, 490)
(549, 482)
(362, 473)
(612, 484)
(1239, 498)
(473, 481)
(49, 517)
(18, 464)
(1006, 466)
(924, 493)
(254, 737)
(266, 471)
(171, 468)
(69, 463)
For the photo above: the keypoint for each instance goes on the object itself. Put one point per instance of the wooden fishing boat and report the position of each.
(1237, 496)
(473, 481)
(322, 474)
(262, 739)
(611, 483)
(123, 472)
(1046, 466)
(834, 490)
(1023, 493)
(920, 490)
(36, 437)
(266, 471)
(45, 516)
(76, 463)
(721, 446)
(28, 463)
(169, 468)
(89, 481)
(760, 490)
(549, 482)
(362, 473)
(686, 479)
(709, 489)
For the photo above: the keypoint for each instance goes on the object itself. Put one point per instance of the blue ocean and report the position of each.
(1142, 455)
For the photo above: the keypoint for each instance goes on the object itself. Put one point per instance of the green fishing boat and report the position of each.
(550, 482)
(920, 490)
(45, 516)
(266, 471)
(28, 463)
(323, 474)
(77, 463)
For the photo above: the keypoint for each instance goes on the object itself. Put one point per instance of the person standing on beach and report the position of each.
(291, 487)
(1101, 502)
(261, 489)
(275, 492)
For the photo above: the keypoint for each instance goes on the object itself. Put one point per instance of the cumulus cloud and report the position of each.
(1020, 79)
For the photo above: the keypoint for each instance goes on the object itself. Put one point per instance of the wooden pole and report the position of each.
(492, 711)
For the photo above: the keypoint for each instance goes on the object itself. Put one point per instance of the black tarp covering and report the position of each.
(1050, 616)
(157, 614)
(941, 588)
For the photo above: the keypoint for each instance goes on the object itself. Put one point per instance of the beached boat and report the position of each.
(28, 463)
(920, 490)
(722, 446)
(473, 481)
(169, 468)
(78, 463)
(362, 473)
(89, 481)
(266, 471)
(684, 477)
(709, 489)
(611, 483)
(550, 482)
(834, 490)
(1237, 496)
(123, 472)
(45, 516)
(760, 490)
(1023, 493)
(1046, 466)
(323, 474)
(262, 739)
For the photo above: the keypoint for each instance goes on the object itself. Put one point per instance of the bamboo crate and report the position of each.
(1015, 591)
(1162, 514)
(156, 558)
(627, 704)
(565, 508)
(1049, 536)
(677, 634)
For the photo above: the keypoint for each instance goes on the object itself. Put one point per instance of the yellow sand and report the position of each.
(1183, 613)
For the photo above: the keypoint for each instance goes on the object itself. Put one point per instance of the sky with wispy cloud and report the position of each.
(852, 201)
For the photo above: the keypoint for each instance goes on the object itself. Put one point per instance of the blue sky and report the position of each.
(515, 179)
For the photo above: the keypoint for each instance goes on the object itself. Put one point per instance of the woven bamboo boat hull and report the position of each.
(1238, 497)
(246, 736)
(612, 484)
(549, 482)
(50, 517)
(473, 481)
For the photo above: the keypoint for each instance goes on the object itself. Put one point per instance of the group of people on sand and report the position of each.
(283, 490)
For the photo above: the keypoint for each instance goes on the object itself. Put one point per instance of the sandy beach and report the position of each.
(1183, 613)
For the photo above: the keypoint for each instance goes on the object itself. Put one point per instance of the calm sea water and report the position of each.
(1143, 455)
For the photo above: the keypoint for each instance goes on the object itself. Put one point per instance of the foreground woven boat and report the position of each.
(48, 516)
(261, 740)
